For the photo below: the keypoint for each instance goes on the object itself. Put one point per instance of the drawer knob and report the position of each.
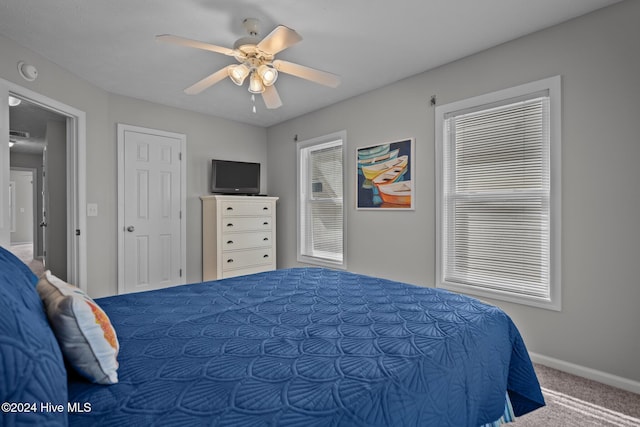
(230, 225)
(265, 256)
(229, 208)
(266, 208)
(229, 242)
(266, 239)
(230, 260)
(265, 223)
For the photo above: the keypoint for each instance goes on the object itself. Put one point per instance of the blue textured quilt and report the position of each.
(309, 347)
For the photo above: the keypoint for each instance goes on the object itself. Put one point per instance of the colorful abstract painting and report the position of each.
(385, 175)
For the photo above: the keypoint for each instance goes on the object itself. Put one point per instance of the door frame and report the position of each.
(76, 180)
(35, 213)
(121, 129)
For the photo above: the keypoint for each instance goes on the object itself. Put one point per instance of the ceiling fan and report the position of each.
(256, 60)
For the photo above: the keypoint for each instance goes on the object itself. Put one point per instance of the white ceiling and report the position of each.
(369, 43)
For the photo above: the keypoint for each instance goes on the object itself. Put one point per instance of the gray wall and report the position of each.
(207, 137)
(597, 57)
(56, 186)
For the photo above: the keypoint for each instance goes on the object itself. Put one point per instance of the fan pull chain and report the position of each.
(253, 99)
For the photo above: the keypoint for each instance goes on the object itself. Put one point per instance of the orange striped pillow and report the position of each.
(87, 339)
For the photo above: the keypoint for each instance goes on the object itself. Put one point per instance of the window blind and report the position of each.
(496, 197)
(322, 209)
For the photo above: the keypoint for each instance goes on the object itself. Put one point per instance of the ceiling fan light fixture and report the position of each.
(255, 83)
(238, 73)
(256, 60)
(268, 74)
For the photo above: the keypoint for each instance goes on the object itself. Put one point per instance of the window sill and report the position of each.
(322, 262)
(547, 304)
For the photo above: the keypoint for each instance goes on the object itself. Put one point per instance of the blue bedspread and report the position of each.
(309, 347)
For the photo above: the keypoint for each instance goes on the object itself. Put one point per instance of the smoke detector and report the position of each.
(27, 71)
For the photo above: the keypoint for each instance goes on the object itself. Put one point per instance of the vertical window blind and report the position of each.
(321, 207)
(496, 197)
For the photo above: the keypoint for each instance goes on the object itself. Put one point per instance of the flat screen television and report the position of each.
(232, 177)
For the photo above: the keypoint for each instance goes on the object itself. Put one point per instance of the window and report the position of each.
(320, 201)
(498, 220)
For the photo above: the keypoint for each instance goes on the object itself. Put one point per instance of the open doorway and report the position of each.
(23, 201)
(38, 152)
(70, 125)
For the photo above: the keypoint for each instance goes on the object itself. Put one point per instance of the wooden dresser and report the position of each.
(238, 235)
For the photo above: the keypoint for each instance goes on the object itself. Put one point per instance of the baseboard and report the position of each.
(591, 374)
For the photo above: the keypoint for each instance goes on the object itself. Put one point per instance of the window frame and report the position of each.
(302, 147)
(552, 86)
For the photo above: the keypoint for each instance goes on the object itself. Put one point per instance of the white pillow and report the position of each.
(87, 339)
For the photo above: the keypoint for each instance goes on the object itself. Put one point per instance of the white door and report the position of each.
(151, 203)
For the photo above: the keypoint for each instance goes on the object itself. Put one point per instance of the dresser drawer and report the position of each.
(248, 270)
(238, 235)
(232, 208)
(246, 224)
(257, 239)
(242, 259)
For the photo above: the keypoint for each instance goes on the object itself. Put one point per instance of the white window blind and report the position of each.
(321, 214)
(495, 213)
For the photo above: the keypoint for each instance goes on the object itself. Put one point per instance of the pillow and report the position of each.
(31, 364)
(86, 336)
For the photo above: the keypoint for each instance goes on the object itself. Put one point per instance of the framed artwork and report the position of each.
(385, 176)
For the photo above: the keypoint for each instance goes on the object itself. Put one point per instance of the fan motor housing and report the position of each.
(246, 41)
(250, 54)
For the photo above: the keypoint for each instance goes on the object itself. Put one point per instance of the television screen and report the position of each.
(231, 177)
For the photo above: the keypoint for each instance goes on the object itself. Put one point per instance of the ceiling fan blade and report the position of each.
(279, 39)
(207, 81)
(317, 76)
(168, 38)
(271, 98)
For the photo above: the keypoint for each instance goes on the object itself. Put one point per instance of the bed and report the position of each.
(304, 347)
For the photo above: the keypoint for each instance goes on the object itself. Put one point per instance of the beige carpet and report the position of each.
(575, 401)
